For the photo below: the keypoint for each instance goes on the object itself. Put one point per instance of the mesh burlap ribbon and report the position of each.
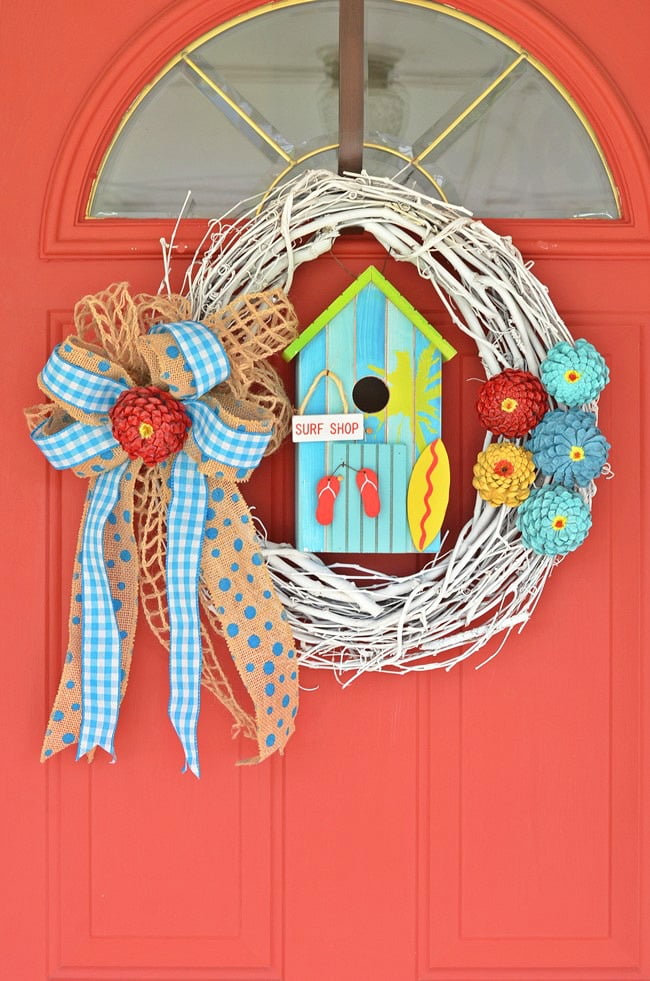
(176, 534)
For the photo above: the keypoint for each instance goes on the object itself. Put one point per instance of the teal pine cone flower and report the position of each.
(553, 520)
(574, 374)
(569, 447)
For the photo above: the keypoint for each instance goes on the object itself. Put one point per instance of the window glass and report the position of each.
(451, 107)
(176, 142)
(559, 175)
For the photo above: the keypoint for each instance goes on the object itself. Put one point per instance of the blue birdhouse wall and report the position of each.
(385, 361)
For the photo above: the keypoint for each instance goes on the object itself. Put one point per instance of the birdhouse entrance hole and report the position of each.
(370, 394)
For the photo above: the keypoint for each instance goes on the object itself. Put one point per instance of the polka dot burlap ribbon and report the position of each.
(108, 425)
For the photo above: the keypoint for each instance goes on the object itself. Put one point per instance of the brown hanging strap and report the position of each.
(351, 85)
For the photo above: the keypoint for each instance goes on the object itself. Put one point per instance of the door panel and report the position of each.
(476, 824)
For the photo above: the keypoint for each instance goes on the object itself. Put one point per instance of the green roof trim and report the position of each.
(370, 275)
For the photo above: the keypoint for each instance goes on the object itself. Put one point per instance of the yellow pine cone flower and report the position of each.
(503, 474)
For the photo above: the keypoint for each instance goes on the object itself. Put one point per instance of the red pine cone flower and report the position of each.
(149, 423)
(512, 403)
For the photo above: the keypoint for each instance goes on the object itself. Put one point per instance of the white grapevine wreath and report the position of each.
(346, 618)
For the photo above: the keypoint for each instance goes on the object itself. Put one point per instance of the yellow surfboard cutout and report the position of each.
(428, 494)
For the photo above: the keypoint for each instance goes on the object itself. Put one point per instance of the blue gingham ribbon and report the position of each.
(72, 383)
(84, 383)
(217, 441)
(201, 351)
(100, 637)
(185, 525)
(74, 445)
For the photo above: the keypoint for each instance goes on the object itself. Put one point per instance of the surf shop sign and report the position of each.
(372, 472)
(316, 429)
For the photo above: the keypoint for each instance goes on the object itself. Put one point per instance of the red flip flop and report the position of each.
(327, 490)
(368, 485)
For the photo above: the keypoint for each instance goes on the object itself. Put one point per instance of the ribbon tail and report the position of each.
(185, 525)
(100, 635)
(254, 624)
(65, 716)
(64, 723)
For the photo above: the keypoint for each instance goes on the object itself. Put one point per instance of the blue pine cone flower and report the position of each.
(569, 447)
(553, 520)
(574, 374)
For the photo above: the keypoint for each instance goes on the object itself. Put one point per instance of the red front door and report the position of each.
(472, 825)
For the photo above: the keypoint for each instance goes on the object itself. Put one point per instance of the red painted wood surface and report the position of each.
(476, 825)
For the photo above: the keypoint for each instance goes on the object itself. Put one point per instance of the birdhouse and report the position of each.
(372, 472)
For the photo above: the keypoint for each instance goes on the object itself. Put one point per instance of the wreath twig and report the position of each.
(347, 618)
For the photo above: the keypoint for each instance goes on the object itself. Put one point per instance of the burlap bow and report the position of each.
(151, 414)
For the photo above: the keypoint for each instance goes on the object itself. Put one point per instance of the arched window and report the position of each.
(452, 107)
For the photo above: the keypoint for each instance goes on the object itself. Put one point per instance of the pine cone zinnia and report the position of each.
(149, 423)
(503, 474)
(553, 520)
(569, 447)
(511, 403)
(574, 374)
